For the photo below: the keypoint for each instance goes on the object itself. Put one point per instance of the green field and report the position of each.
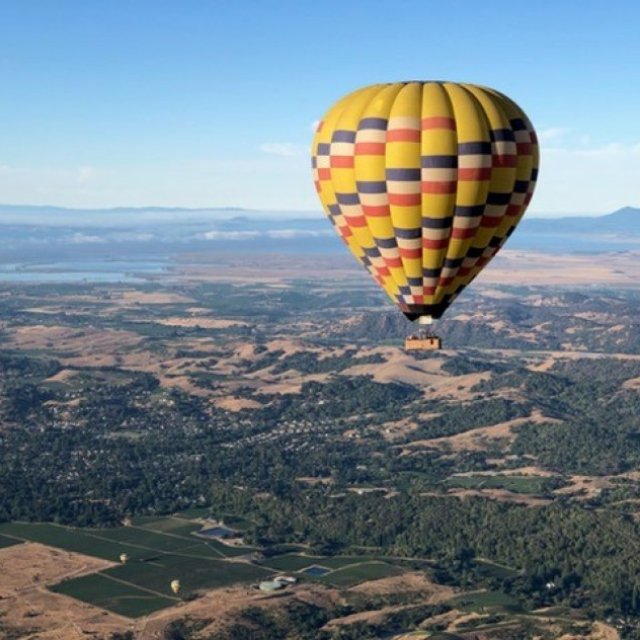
(355, 574)
(159, 550)
(179, 526)
(346, 571)
(103, 592)
(517, 484)
(144, 538)
(138, 542)
(163, 549)
(8, 542)
(71, 539)
(195, 512)
(292, 562)
(486, 600)
(297, 561)
(194, 573)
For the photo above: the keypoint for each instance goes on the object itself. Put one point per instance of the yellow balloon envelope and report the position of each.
(424, 182)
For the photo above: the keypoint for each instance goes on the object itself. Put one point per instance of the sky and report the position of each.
(212, 103)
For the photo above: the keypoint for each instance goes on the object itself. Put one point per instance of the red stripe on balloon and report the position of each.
(462, 234)
(427, 243)
(356, 221)
(440, 186)
(411, 253)
(341, 162)
(369, 148)
(405, 199)
(438, 123)
(483, 173)
(403, 135)
(377, 211)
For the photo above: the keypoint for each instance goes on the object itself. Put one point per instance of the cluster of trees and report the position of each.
(128, 447)
(592, 558)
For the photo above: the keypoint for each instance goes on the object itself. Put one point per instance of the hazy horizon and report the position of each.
(11, 213)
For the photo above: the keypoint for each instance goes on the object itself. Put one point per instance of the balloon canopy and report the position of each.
(424, 182)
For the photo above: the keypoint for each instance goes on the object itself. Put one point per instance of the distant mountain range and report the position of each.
(46, 233)
(63, 216)
(625, 221)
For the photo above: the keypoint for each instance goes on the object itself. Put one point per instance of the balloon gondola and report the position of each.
(424, 182)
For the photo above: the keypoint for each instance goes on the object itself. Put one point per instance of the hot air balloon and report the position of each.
(124, 558)
(176, 586)
(424, 182)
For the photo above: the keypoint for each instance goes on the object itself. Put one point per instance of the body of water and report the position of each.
(83, 271)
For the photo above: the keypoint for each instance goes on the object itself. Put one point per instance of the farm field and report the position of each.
(297, 561)
(159, 550)
(514, 483)
(8, 542)
(484, 601)
(115, 596)
(194, 573)
(352, 575)
(70, 539)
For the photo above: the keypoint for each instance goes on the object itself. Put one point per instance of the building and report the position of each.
(270, 585)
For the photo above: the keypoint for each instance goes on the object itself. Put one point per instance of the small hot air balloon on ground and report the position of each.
(176, 586)
(124, 558)
(424, 182)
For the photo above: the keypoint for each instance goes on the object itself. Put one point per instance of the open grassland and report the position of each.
(344, 571)
(484, 601)
(155, 558)
(514, 483)
(71, 539)
(7, 542)
(194, 573)
(297, 562)
(352, 575)
(118, 597)
(136, 542)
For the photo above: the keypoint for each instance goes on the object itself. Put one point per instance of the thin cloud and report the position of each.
(290, 234)
(83, 238)
(287, 149)
(273, 234)
(231, 235)
(553, 134)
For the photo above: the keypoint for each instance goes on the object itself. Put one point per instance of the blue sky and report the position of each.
(211, 103)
